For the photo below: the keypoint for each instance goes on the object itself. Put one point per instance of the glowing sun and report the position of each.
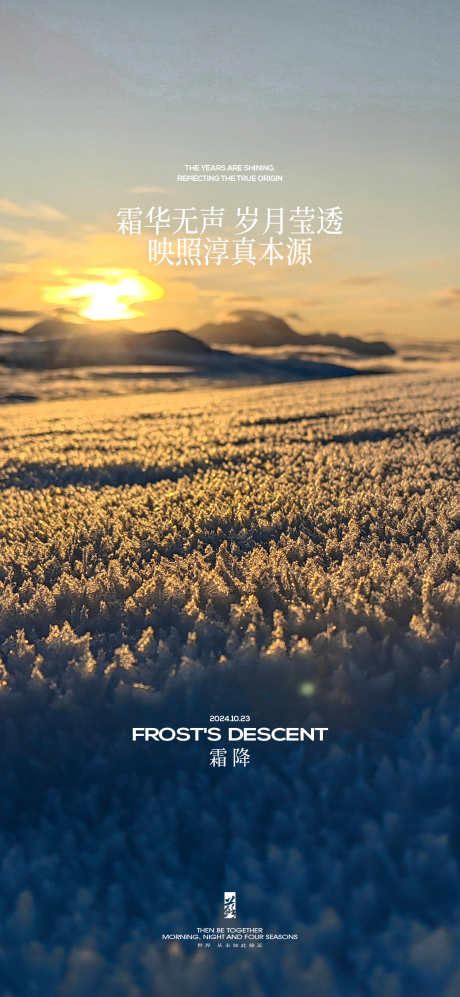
(111, 296)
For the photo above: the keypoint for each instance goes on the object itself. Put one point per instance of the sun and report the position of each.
(109, 297)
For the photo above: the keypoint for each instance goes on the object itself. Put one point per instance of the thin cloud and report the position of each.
(40, 212)
(449, 297)
(17, 313)
(363, 280)
(15, 268)
(245, 297)
(148, 190)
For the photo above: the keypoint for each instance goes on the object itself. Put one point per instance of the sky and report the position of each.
(355, 105)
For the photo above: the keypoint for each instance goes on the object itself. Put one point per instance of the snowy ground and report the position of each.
(288, 552)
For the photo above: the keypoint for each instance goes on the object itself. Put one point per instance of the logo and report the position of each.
(229, 904)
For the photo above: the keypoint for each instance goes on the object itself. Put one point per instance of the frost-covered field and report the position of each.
(288, 552)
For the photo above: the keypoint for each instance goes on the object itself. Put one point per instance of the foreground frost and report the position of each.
(287, 552)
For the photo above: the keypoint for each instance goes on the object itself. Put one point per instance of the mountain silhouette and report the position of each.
(166, 340)
(54, 328)
(248, 327)
(104, 336)
(56, 343)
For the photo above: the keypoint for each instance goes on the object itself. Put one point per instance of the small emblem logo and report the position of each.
(229, 904)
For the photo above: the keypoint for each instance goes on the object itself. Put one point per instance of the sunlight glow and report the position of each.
(110, 297)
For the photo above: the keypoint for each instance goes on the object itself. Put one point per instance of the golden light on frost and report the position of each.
(307, 689)
(109, 296)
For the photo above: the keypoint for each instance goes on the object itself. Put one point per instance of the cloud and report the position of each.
(11, 235)
(40, 212)
(364, 280)
(383, 304)
(17, 313)
(245, 297)
(15, 268)
(445, 299)
(148, 190)
(62, 310)
(316, 302)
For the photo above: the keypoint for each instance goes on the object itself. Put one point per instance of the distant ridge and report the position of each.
(169, 340)
(109, 337)
(54, 328)
(250, 328)
(260, 329)
(54, 343)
